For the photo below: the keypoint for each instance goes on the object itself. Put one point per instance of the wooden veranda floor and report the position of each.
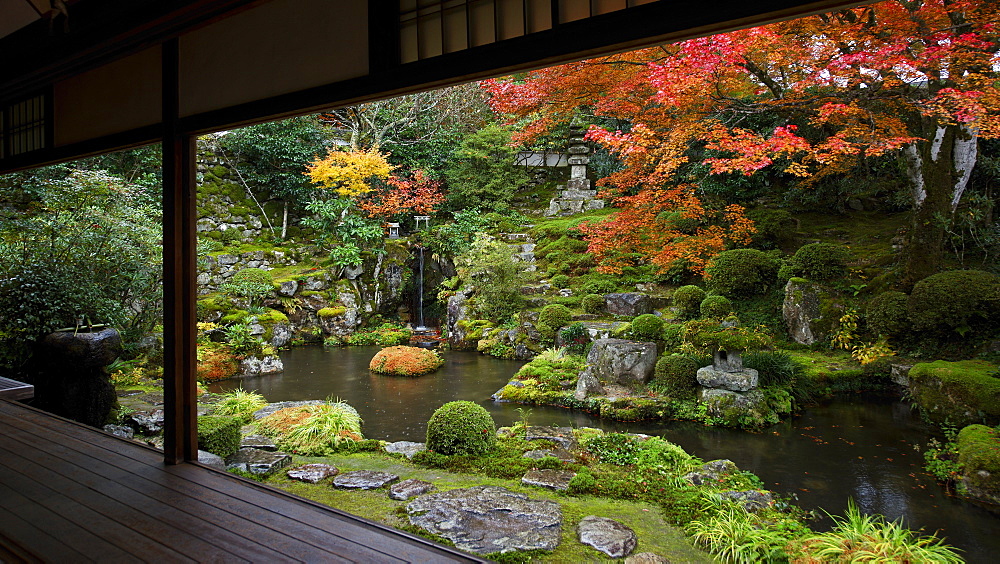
(69, 493)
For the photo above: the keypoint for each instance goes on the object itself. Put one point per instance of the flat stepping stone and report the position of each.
(211, 460)
(646, 558)
(256, 461)
(411, 488)
(313, 473)
(485, 519)
(258, 441)
(607, 535)
(364, 480)
(559, 453)
(552, 479)
(406, 448)
(562, 436)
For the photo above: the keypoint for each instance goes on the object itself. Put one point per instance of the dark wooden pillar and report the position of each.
(179, 216)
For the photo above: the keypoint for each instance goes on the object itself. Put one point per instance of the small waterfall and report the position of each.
(420, 307)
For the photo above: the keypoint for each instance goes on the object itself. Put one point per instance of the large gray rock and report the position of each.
(629, 303)
(252, 366)
(457, 312)
(281, 335)
(146, 422)
(623, 362)
(259, 442)
(409, 489)
(211, 460)
(588, 385)
(406, 448)
(711, 471)
(485, 519)
(562, 436)
(275, 407)
(256, 461)
(742, 381)
(607, 535)
(313, 473)
(364, 480)
(719, 400)
(559, 453)
(551, 479)
(803, 313)
(120, 431)
(288, 288)
(752, 500)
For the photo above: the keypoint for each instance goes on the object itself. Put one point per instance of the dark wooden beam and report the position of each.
(180, 442)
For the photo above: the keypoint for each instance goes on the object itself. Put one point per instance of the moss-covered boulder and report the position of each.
(810, 311)
(961, 393)
(979, 457)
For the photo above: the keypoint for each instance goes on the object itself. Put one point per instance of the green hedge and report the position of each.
(219, 435)
(961, 393)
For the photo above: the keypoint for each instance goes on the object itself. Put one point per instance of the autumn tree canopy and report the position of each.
(912, 79)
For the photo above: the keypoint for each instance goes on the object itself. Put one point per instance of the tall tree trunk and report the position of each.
(939, 170)
(284, 222)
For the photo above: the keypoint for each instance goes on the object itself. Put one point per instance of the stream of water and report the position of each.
(863, 449)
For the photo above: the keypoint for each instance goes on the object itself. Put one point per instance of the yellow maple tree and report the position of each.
(349, 173)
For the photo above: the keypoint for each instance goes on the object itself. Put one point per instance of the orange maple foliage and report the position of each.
(848, 85)
(419, 194)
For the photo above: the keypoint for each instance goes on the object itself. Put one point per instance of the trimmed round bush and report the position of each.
(955, 302)
(647, 326)
(403, 360)
(716, 307)
(555, 316)
(886, 313)
(560, 281)
(593, 303)
(821, 261)
(674, 375)
(461, 427)
(688, 299)
(741, 272)
(773, 226)
(249, 283)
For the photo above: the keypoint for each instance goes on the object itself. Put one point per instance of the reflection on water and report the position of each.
(860, 449)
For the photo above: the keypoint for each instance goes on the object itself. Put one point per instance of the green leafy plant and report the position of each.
(614, 448)
(554, 316)
(313, 430)
(687, 299)
(647, 326)
(576, 337)
(734, 535)
(251, 283)
(593, 303)
(716, 307)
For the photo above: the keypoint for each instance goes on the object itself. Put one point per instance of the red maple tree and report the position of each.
(418, 195)
(914, 78)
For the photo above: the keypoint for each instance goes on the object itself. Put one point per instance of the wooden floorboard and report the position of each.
(69, 493)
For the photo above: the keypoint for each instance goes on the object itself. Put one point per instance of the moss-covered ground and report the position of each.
(655, 534)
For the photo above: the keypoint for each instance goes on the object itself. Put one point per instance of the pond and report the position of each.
(863, 449)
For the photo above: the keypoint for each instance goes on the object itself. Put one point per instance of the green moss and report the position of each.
(979, 457)
(958, 392)
(220, 171)
(327, 312)
(235, 317)
(271, 317)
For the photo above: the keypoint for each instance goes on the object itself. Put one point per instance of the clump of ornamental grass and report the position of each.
(405, 361)
(312, 430)
(240, 404)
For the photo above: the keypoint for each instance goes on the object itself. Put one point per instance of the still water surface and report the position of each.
(860, 449)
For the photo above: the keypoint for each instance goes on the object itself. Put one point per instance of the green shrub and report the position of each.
(675, 375)
(555, 316)
(774, 368)
(741, 272)
(461, 427)
(886, 313)
(593, 303)
(688, 300)
(560, 281)
(598, 286)
(575, 337)
(253, 283)
(958, 303)
(673, 336)
(583, 483)
(716, 307)
(614, 448)
(821, 261)
(647, 326)
(773, 227)
(219, 435)
(240, 404)
(663, 457)
(312, 430)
